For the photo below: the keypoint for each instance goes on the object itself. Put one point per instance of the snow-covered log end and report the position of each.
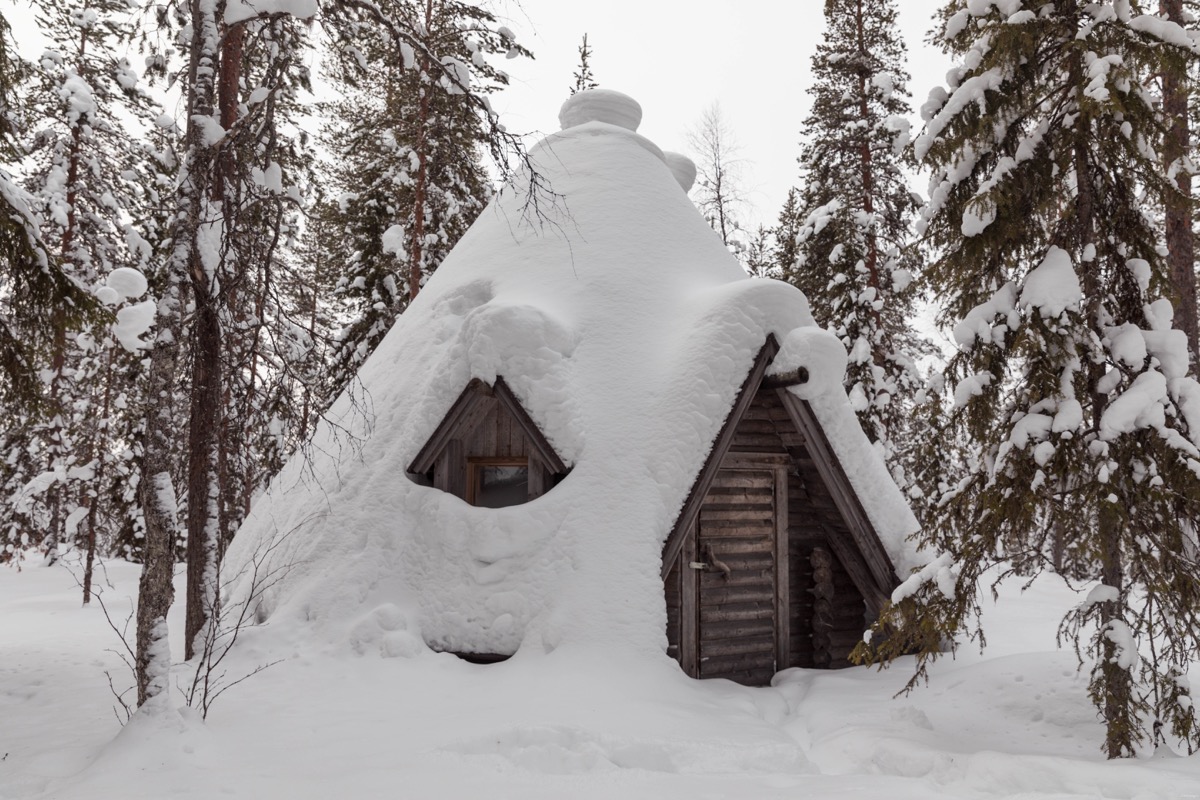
(817, 351)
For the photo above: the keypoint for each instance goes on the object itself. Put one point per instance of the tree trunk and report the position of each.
(1180, 241)
(95, 452)
(156, 490)
(417, 242)
(867, 167)
(156, 589)
(58, 492)
(1116, 681)
(1118, 684)
(205, 484)
(203, 517)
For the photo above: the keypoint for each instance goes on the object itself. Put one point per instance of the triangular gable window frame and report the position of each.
(444, 462)
(867, 561)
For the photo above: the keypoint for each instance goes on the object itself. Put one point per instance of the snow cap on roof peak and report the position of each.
(600, 105)
(683, 168)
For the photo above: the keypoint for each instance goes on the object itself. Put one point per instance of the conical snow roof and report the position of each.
(625, 329)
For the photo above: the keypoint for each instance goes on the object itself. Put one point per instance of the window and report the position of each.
(488, 451)
(497, 482)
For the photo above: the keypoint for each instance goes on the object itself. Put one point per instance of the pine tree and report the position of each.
(853, 257)
(407, 143)
(1070, 383)
(271, 161)
(583, 75)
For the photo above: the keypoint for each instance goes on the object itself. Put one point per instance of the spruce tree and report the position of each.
(81, 159)
(1070, 383)
(853, 258)
(786, 234)
(583, 75)
(1178, 157)
(37, 299)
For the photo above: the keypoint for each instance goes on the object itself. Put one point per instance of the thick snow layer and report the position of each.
(129, 283)
(1012, 723)
(241, 10)
(1052, 287)
(134, 322)
(600, 105)
(625, 329)
(683, 168)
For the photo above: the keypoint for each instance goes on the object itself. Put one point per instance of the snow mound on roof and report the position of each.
(600, 105)
(683, 168)
(625, 329)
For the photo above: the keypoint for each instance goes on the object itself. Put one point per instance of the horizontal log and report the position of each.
(737, 470)
(738, 629)
(750, 460)
(737, 546)
(712, 666)
(756, 421)
(735, 612)
(715, 529)
(721, 596)
(782, 380)
(740, 494)
(844, 640)
(739, 514)
(735, 489)
(757, 441)
(736, 647)
(751, 561)
(756, 501)
(737, 578)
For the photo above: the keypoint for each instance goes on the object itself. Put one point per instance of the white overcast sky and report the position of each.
(676, 58)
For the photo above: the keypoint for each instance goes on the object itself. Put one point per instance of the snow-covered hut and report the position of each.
(591, 429)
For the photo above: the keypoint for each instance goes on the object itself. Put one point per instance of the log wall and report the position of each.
(826, 612)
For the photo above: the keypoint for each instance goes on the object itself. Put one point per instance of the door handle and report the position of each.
(712, 563)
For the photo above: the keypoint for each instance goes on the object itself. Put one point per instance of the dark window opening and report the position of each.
(482, 658)
(496, 483)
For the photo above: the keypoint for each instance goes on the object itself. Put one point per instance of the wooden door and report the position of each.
(738, 557)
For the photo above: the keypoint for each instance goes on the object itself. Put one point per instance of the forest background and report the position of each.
(187, 285)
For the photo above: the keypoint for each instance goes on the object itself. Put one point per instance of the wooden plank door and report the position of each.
(740, 561)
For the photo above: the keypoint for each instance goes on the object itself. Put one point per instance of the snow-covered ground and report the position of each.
(328, 722)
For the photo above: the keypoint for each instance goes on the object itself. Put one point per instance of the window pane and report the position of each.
(501, 486)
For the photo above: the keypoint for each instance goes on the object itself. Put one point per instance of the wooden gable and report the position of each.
(772, 562)
(487, 424)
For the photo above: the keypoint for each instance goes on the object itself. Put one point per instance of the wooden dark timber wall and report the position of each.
(736, 528)
(813, 518)
(674, 610)
(728, 625)
(497, 435)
